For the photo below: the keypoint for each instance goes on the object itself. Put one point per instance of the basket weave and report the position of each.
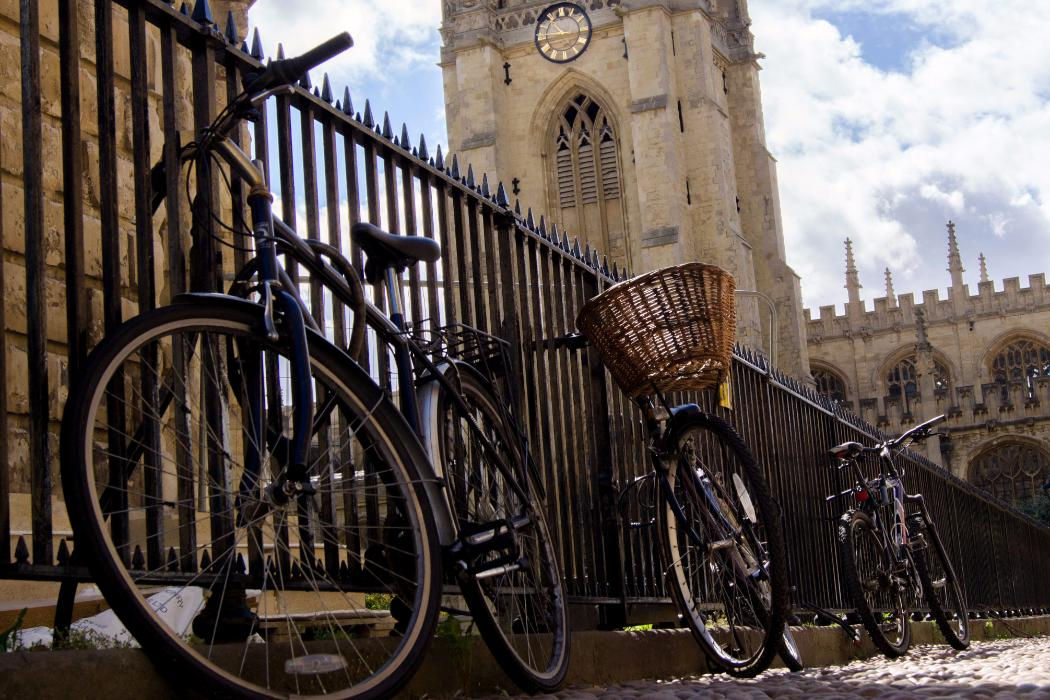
(667, 330)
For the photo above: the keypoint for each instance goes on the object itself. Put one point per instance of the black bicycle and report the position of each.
(718, 525)
(256, 509)
(890, 557)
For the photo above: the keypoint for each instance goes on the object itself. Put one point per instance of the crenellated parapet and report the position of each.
(983, 406)
(894, 315)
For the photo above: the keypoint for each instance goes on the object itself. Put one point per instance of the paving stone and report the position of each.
(1010, 668)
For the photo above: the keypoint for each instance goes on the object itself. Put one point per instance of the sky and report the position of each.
(887, 118)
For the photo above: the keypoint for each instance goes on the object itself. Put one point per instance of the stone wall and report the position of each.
(963, 333)
(50, 158)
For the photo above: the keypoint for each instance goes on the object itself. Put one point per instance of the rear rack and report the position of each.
(488, 354)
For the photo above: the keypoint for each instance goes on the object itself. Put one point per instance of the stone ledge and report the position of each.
(598, 658)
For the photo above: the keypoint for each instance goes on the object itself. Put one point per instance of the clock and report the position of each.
(563, 32)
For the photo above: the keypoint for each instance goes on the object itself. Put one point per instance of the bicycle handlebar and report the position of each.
(287, 71)
(919, 432)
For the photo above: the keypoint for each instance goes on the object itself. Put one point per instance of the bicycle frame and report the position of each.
(274, 284)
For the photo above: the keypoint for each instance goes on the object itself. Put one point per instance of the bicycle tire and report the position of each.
(865, 566)
(532, 650)
(941, 589)
(705, 581)
(386, 544)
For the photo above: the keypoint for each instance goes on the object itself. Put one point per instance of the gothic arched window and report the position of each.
(1022, 360)
(902, 381)
(586, 178)
(1013, 471)
(829, 383)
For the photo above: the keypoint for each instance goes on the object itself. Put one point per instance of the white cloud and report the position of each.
(954, 200)
(999, 222)
(387, 33)
(883, 156)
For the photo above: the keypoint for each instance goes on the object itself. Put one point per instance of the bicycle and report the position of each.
(888, 557)
(221, 456)
(723, 548)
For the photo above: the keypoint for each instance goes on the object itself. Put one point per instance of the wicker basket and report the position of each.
(667, 330)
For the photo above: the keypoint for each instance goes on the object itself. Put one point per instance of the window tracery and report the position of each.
(586, 178)
(902, 381)
(1012, 471)
(1022, 360)
(829, 383)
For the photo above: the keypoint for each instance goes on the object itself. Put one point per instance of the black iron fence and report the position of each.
(159, 76)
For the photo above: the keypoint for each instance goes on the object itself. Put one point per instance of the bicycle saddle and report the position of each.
(383, 250)
(846, 449)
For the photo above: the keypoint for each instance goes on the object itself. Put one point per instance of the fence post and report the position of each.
(610, 616)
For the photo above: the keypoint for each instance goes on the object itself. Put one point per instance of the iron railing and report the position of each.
(501, 271)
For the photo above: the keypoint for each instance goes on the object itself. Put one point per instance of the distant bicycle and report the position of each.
(673, 330)
(889, 556)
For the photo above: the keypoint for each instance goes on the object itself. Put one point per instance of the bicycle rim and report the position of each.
(873, 583)
(334, 594)
(729, 589)
(522, 613)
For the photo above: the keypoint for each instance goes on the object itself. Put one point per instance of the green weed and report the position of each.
(9, 637)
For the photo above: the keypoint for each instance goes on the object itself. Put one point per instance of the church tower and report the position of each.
(635, 125)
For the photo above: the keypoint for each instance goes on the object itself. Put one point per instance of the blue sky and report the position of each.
(887, 118)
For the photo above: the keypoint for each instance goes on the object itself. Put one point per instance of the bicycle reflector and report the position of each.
(862, 495)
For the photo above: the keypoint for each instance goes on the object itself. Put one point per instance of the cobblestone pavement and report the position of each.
(1013, 668)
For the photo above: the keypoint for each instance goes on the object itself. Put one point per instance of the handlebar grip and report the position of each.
(289, 70)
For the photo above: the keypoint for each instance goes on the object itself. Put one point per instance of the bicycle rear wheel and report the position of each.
(724, 550)
(873, 583)
(940, 587)
(179, 423)
(513, 587)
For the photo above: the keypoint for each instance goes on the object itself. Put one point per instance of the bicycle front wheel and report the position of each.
(724, 548)
(178, 426)
(510, 577)
(874, 583)
(940, 587)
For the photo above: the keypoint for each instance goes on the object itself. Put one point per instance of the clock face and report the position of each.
(563, 31)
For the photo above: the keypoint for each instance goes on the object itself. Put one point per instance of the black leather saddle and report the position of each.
(846, 450)
(383, 250)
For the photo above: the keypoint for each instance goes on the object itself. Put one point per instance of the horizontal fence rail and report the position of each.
(504, 271)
